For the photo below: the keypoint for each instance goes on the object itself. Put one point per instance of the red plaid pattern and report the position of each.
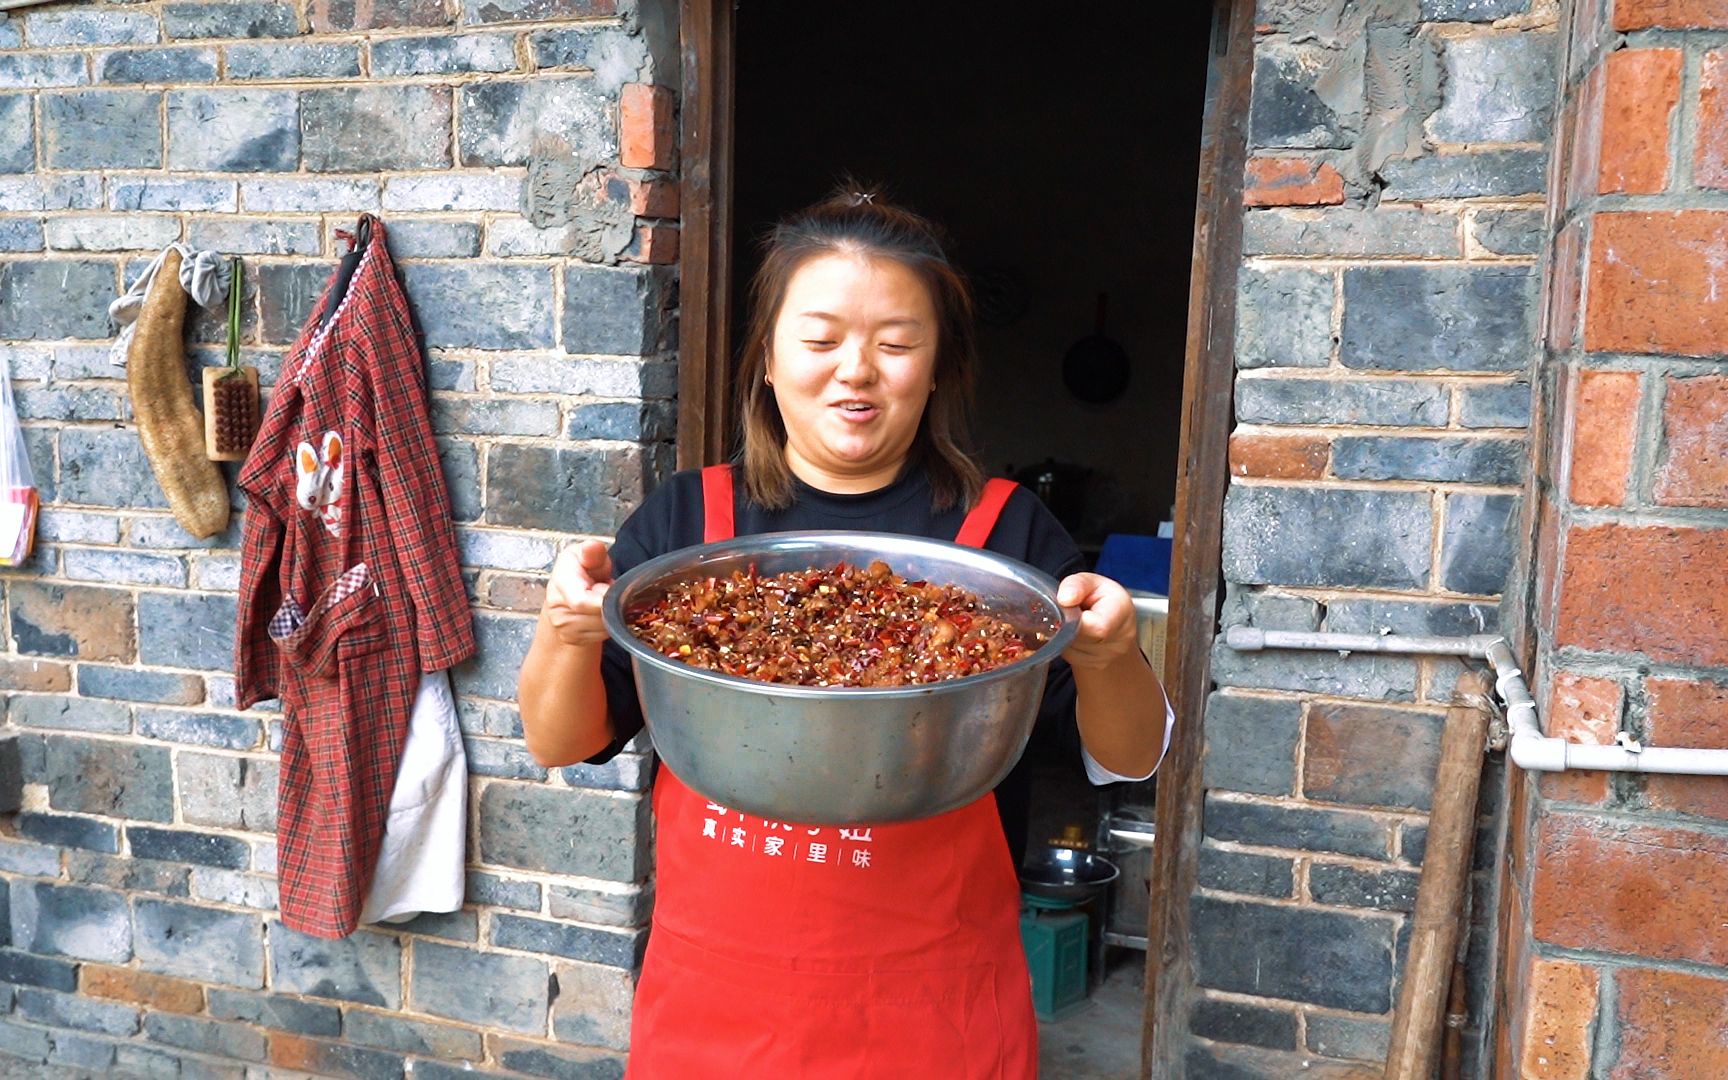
(347, 672)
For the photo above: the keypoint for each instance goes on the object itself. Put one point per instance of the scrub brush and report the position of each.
(231, 392)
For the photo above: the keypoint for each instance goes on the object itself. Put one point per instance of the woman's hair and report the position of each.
(857, 220)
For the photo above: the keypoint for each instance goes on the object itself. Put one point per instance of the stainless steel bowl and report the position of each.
(1060, 873)
(839, 755)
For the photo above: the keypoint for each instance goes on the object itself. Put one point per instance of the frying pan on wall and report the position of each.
(1095, 368)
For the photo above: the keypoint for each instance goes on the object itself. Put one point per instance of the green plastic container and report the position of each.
(1055, 945)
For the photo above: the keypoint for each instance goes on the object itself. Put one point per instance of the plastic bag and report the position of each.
(18, 498)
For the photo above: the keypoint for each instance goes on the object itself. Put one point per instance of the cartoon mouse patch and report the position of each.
(318, 480)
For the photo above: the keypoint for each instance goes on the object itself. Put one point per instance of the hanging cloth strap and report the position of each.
(976, 529)
(717, 523)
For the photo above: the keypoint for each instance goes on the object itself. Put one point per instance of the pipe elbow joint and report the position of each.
(1537, 752)
(1245, 638)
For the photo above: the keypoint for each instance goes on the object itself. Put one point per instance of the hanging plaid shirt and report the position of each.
(349, 584)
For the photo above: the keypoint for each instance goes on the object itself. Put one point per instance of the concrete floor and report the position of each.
(1102, 1040)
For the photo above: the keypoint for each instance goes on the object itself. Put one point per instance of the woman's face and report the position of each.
(852, 364)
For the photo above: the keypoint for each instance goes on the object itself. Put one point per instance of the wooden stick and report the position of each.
(1416, 1026)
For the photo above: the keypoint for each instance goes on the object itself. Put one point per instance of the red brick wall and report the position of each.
(1615, 958)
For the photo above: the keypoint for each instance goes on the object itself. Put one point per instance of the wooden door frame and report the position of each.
(705, 412)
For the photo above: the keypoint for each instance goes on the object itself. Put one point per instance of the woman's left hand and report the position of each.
(1107, 625)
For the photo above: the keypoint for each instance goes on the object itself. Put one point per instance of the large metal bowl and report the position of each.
(837, 755)
(1059, 873)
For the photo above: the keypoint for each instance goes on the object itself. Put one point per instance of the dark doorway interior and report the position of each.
(1060, 148)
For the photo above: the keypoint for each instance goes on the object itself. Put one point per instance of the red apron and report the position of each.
(781, 950)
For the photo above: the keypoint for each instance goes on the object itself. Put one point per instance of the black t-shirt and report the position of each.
(672, 518)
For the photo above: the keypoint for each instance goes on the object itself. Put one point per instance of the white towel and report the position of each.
(203, 274)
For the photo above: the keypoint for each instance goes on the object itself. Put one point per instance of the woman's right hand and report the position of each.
(580, 577)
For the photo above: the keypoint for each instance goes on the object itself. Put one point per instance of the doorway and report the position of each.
(1062, 153)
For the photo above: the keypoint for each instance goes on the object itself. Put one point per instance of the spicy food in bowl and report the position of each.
(838, 626)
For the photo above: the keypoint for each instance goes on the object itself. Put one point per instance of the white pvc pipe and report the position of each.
(1528, 747)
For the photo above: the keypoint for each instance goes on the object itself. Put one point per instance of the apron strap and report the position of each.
(717, 521)
(978, 524)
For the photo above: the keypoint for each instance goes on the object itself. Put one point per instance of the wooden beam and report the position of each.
(705, 241)
(1201, 479)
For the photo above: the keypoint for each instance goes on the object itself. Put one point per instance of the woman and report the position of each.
(784, 951)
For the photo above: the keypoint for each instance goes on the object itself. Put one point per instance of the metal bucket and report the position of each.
(842, 755)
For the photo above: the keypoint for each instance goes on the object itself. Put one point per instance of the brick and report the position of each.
(1242, 872)
(1559, 1016)
(93, 776)
(490, 890)
(503, 550)
(500, 11)
(1694, 465)
(1478, 542)
(614, 948)
(1466, 176)
(1350, 886)
(1365, 402)
(37, 193)
(311, 195)
(1651, 288)
(404, 1036)
(460, 925)
(241, 236)
(495, 757)
(17, 673)
(1604, 436)
(36, 71)
(1669, 1024)
(17, 134)
(205, 1036)
(509, 123)
(228, 792)
(1287, 110)
(1245, 606)
(11, 34)
(69, 714)
(453, 191)
(162, 531)
(1509, 232)
(1240, 1022)
(76, 1051)
(514, 238)
(296, 60)
(123, 567)
(66, 830)
(1280, 181)
(199, 943)
(519, 316)
(1342, 832)
(278, 1012)
(563, 832)
(559, 1063)
(333, 1059)
(488, 718)
(647, 121)
(235, 888)
(1642, 92)
(482, 416)
(593, 1005)
(24, 1043)
(1653, 590)
(141, 988)
(145, 1062)
(185, 846)
(187, 630)
(1505, 405)
(230, 19)
(102, 129)
(336, 16)
(491, 989)
(1710, 156)
(66, 1011)
(597, 378)
(1686, 713)
(1498, 88)
(1309, 536)
(1411, 318)
(364, 967)
(624, 421)
(1471, 11)
(54, 29)
(21, 236)
(149, 193)
(127, 874)
(1349, 232)
(627, 905)
(435, 240)
(1348, 1037)
(1678, 14)
(1299, 954)
(1371, 756)
(1367, 675)
(460, 460)
(614, 56)
(1251, 743)
(653, 198)
(575, 490)
(443, 54)
(65, 920)
(248, 131)
(130, 684)
(626, 772)
(1586, 710)
(55, 298)
(27, 970)
(289, 292)
(168, 65)
(377, 127)
(200, 729)
(74, 403)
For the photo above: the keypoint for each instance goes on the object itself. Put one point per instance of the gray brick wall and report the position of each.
(138, 932)
(1387, 332)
